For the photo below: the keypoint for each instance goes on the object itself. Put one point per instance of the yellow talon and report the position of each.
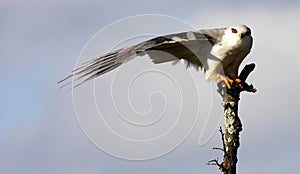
(227, 81)
(238, 80)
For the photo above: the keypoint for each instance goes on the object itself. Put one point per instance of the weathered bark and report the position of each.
(232, 122)
(233, 127)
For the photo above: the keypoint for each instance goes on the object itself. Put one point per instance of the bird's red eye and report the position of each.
(233, 30)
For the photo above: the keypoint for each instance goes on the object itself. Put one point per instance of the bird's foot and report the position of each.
(231, 82)
(239, 82)
(228, 82)
(235, 85)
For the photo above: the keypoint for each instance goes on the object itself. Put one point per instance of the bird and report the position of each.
(218, 52)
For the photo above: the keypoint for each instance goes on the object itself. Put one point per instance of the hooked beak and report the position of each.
(247, 33)
(242, 35)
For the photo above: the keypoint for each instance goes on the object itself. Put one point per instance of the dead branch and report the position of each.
(232, 122)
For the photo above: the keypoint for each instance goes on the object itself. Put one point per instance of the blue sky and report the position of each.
(41, 41)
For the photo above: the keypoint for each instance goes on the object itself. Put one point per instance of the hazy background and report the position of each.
(41, 41)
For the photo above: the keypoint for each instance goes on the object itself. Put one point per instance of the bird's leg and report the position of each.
(227, 81)
(230, 73)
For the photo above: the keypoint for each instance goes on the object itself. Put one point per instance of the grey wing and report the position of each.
(214, 35)
(194, 47)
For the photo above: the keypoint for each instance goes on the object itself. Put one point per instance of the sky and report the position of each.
(44, 129)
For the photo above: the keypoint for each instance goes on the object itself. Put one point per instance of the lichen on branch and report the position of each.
(232, 122)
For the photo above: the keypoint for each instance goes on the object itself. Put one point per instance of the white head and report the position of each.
(236, 34)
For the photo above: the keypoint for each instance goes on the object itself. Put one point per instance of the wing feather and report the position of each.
(194, 47)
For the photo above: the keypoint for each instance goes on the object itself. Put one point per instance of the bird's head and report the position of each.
(235, 34)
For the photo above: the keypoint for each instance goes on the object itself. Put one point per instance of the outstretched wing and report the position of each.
(194, 47)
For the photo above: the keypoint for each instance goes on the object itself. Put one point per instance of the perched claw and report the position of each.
(234, 85)
(239, 81)
(227, 81)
